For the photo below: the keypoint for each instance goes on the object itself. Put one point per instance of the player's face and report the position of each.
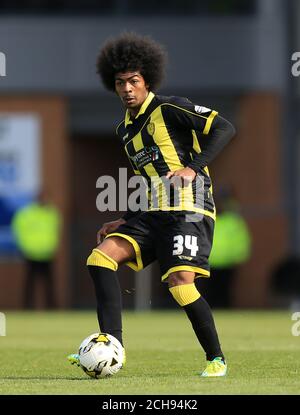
(132, 89)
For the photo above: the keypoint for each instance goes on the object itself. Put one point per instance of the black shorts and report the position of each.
(178, 245)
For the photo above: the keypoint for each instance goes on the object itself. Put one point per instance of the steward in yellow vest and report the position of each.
(37, 232)
(232, 241)
(36, 229)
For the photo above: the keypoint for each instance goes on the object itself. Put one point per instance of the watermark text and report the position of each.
(2, 324)
(156, 193)
(296, 65)
(2, 64)
(296, 326)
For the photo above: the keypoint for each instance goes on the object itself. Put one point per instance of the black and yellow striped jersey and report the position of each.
(165, 136)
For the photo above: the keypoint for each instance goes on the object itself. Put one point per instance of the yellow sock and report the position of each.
(100, 259)
(185, 294)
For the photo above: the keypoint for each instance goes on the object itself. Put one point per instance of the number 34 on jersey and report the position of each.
(188, 242)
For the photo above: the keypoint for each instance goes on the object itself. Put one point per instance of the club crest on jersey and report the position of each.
(151, 128)
(200, 109)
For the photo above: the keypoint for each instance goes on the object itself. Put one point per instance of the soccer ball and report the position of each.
(101, 355)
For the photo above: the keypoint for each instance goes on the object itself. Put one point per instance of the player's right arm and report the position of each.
(110, 227)
(122, 133)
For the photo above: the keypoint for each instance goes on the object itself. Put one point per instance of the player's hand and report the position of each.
(107, 228)
(182, 177)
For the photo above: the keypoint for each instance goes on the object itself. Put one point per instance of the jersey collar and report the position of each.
(142, 109)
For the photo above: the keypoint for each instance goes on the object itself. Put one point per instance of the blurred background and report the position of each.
(57, 136)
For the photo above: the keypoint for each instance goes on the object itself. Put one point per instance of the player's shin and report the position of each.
(107, 288)
(200, 316)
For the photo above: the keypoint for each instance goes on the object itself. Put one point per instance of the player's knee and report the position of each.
(100, 259)
(180, 278)
(185, 294)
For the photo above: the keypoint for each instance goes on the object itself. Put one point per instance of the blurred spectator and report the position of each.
(231, 247)
(36, 228)
(285, 283)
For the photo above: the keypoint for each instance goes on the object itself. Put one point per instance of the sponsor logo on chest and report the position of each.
(145, 156)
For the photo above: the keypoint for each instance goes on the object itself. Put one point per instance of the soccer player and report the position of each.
(172, 139)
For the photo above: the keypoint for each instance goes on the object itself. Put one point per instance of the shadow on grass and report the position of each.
(43, 378)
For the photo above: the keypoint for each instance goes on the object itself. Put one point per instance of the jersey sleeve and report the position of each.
(183, 114)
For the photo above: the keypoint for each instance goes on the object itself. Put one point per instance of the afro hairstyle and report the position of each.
(131, 52)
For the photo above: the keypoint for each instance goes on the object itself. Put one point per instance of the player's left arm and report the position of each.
(215, 130)
(220, 133)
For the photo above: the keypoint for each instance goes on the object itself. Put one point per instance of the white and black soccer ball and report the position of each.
(101, 355)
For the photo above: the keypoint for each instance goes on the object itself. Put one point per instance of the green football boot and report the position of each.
(215, 367)
(74, 359)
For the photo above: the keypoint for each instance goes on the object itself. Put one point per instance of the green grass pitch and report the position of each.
(163, 356)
